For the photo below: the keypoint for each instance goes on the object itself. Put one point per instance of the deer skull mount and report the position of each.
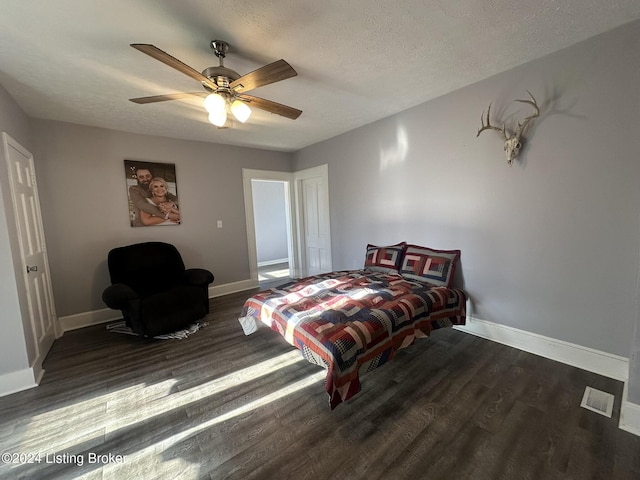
(512, 143)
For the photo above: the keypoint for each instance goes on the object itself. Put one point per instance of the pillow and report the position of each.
(384, 259)
(428, 265)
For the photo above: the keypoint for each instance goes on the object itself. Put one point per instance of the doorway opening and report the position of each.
(272, 230)
(306, 213)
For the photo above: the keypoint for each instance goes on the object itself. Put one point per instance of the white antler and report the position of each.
(491, 127)
(534, 104)
(512, 143)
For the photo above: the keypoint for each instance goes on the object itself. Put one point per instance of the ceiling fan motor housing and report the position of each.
(220, 75)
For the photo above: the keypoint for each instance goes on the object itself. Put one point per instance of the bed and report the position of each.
(352, 322)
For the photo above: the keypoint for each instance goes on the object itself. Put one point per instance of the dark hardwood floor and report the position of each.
(221, 405)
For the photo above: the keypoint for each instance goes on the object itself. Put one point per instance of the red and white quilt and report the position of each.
(352, 322)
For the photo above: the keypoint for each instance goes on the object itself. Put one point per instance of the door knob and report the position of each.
(32, 269)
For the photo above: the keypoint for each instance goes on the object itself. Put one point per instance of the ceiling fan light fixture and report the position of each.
(240, 110)
(218, 118)
(223, 85)
(215, 103)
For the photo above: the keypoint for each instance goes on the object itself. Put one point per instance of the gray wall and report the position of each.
(550, 245)
(13, 120)
(270, 220)
(84, 204)
(13, 353)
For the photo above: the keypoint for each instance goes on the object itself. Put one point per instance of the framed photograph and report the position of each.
(153, 193)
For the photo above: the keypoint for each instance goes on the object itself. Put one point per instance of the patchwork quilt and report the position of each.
(352, 322)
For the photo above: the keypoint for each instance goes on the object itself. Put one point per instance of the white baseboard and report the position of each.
(629, 415)
(227, 288)
(17, 381)
(273, 262)
(602, 363)
(86, 319)
(96, 317)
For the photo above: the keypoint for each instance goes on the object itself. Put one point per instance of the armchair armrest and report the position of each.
(198, 276)
(118, 296)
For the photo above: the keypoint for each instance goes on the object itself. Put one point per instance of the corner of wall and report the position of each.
(629, 415)
(602, 363)
(14, 382)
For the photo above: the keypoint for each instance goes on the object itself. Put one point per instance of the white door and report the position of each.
(38, 312)
(313, 217)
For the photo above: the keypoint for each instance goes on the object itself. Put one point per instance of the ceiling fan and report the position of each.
(223, 86)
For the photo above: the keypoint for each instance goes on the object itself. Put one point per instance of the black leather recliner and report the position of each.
(154, 291)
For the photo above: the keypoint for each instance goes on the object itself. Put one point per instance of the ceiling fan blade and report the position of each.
(272, 107)
(274, 72)
(173, 62)
(168, 96)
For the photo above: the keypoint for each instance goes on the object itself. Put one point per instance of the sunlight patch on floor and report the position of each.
(273, 274)
(123, 414)
(170, 441)
(76, 423)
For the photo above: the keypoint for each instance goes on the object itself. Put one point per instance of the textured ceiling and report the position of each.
(357, 60)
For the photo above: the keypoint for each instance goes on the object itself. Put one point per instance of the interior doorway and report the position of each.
(271, 222)
(259, 219)
(306, 200)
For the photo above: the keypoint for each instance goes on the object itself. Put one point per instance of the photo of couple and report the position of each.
(153, 193)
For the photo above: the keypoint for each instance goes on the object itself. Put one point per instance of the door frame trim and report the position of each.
(268, 175)
(294, 199)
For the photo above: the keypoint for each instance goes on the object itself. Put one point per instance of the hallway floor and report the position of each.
(273, 275)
